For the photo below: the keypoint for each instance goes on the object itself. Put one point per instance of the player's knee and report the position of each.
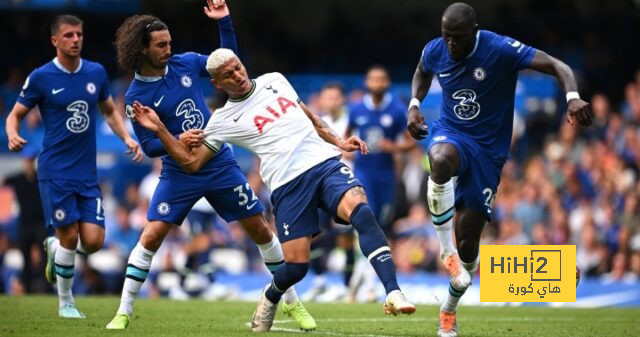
(152, 237)
(296, 271)
(68, 236)
(93, 245)
(442, 166)
(257, 229)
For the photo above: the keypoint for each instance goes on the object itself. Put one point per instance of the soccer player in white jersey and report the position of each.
(299, 163)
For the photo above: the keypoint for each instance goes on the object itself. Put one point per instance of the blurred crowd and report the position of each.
(563, 185)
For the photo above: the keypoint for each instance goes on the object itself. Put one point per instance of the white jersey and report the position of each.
(270, 122)
(340, 126)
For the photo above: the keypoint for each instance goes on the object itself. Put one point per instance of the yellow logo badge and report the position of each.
(527, 273)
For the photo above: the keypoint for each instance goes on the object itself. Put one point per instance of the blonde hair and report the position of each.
(218, 58)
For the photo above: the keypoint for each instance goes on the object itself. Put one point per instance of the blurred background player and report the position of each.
(68, 91)
(380, 120)
(170, 84)
(477, 70)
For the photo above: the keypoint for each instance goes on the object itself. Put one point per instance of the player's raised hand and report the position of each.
(133, 149)
(216, 9)
(16, 142)
(192, 138)
(580, 110)
(416, 125)
(146, 117)
(354, 143)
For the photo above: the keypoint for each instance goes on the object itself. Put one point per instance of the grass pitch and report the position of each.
(37, 316)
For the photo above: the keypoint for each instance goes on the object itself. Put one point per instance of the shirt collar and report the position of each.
(367, 100)
(151, 78)
(59, 65)
(476, 45)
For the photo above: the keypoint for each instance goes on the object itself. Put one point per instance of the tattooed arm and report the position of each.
(324, 131)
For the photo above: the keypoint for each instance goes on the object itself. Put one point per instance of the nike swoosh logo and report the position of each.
(444, 74)
(56, 91)
(237, 118)
(99, 217)
(351, 180)
(249, 207)
(158, 102)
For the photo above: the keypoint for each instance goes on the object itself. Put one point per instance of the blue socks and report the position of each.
(284, 277)
(374, 246)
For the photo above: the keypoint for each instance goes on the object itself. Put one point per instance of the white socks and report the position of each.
(271, 253)
(64, 267)
(441, 201)
(137, 271)
(454, 295)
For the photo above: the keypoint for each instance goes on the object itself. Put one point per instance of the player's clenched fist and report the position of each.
(416, 125)
(580, 110)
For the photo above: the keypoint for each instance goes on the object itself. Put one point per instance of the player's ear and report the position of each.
(215, 83)
(54, 40)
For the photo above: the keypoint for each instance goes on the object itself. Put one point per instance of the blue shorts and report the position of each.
(225, 188)
(296, 203)
(478, 174)
(380, 187)
(67, 201)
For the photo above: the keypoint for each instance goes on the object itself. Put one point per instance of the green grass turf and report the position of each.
(37, 316)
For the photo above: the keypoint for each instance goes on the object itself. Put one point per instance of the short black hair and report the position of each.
(64, 19)
(460, 12)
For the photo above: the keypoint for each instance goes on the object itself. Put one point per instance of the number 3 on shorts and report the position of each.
(244, 198)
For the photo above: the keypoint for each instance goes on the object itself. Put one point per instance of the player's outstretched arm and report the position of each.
(419, 88)
(328, 135)
(576, 107)
(190, 159)
(12, 126)
(116, 123)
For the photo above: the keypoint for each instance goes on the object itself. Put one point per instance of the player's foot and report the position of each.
(49, 269)
(300, 314)
(448, 327)
(119, 322)
(263, 316)
(69, 310)
(459, 277)
(397, 303)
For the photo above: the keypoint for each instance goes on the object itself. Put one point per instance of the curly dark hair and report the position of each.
(132, 37)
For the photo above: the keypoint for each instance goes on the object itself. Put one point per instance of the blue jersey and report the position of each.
(478, 92)
(68, 105)
(372, 124)
(178, 100)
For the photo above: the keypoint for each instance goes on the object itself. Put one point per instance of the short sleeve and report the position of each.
(31, 94)
(515, 54)
(427, 56)
(214, 137)
(199, 63)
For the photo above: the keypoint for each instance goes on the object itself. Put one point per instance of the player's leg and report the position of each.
(296, 255)
(61, 211)
(169, 205)
(468, 227)
(445, 160)
(138, 266)
(345, 198)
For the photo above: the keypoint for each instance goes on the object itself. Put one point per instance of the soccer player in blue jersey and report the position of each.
(477, 70)
(171, 84)
(380, 120)
(69, 90)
